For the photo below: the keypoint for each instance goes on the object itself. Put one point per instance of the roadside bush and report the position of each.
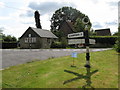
(56, 45)
(117, 46)
(64, 42)
(60, 44)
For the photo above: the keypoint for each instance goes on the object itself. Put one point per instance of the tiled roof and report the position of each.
(44, 33)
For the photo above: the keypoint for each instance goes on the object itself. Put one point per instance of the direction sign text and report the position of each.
(74, 35)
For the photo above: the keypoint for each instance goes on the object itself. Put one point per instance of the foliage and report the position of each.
(60, 44)
(0, 36)
(79, 26)
(64, 42)
(92, 32)
(116, 34)
(8, 45)
(56, 45)
(59, 34)
(65, 13)
(1, 31)
(103, 36)
(117, 45)
(8, 38)
(104, 41)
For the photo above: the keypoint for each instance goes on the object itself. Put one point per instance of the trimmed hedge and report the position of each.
(6, 45)
(104, 41)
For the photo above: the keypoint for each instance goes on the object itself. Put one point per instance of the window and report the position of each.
(30, 40)
(33, 40)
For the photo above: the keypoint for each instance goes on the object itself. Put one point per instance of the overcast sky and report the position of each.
(17, 15)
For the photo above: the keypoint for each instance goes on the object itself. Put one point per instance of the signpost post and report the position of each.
(86, 21)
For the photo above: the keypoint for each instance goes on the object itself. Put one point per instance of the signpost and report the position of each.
(76, 41)
(80, 41)
(85, 41)
(92, 41)
(75, 35)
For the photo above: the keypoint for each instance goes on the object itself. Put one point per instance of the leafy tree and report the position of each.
(1, 31)
(8, 38)
(1, 34)
(67, 13)
(79, 26)
(64, 42)
(92, 32)
(117, 45)
(116, 34)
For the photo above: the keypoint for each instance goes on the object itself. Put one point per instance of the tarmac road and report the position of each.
(12, 57)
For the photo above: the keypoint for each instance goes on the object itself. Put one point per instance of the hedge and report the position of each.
(104, 41)
(6, 45)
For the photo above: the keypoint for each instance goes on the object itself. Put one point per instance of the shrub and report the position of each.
(64, 42)
(117, 46)
(56, 45)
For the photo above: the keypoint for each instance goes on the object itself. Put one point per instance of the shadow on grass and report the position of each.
(87, 77)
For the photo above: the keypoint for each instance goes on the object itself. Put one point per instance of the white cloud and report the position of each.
(100, 12)
(4, 18)
(1, 4)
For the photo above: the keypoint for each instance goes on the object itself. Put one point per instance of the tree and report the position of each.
(116, 34)
(1, 31)
(67, 13)
(117, 45)
(79, 26)
(37, 20)
(8, 38)
(1, 34)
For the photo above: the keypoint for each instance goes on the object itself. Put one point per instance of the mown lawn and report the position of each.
(50, 73)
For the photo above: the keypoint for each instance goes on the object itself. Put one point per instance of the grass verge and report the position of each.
(50, 73)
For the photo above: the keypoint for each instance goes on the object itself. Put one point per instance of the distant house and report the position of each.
(66, 27)
(36, 38)
(103, 32)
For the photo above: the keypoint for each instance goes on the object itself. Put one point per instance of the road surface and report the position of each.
(12, 57)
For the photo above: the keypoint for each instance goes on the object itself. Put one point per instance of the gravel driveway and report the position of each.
(12, 57)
